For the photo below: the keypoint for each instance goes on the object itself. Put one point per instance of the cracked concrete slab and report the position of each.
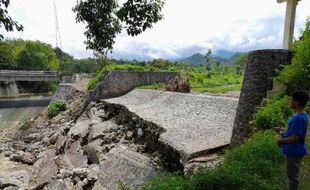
(194, 123)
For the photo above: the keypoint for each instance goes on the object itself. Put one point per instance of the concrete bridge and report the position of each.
(15, 75)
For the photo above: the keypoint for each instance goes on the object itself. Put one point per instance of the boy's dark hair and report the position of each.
(301, 96)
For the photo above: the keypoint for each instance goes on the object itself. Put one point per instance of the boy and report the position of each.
(292, 142)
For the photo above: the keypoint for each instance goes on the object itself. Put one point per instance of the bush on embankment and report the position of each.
(275, 114)
(56, 107)
(297, 75)
(255, 165)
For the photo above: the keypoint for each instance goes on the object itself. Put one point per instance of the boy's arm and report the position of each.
(288, 140)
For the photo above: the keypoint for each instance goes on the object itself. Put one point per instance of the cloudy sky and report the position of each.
(190, 26)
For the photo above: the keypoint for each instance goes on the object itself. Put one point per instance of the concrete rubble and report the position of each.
(110, 146)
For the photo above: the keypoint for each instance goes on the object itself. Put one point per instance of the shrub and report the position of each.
(297, 75)
(253, 166)
(275, 114)
(56, 107)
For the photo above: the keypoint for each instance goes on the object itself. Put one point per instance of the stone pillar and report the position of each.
(262, 66)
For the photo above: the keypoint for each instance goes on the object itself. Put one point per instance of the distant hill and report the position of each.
(226, 57)
(224, 54)
(196, 59)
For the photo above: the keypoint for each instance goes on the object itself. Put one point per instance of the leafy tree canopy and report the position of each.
(37, 56)
(6, 56)
(5, 20)
(105, 19)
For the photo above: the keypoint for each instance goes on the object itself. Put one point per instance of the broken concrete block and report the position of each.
(125, 166)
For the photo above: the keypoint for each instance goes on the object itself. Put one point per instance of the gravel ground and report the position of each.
(194, 123)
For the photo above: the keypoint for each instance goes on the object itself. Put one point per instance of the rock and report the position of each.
(140, 132)
(99, 129)
(64, 173)
(58, 185)
(11, 188)
(123, 165)
(93, 151)
(95, 120)
(80, 129)
(129, 135)
(32, 137)
(18, 179)
(34, 148)
(19, 145)
(8, 153)
(81, 172)
(46, 170)
(197, 164)
(73, 157)
(23, 157)
(17, 157)
(60, 144)
(28, 158)
(101, 113)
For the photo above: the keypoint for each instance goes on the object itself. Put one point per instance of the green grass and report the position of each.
(218, 89)
(257, 164)
(157, 86)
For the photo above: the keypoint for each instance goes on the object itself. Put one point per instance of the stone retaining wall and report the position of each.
(262, 66)
(118, 83)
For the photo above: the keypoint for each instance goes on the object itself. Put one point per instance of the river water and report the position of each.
(19, 109)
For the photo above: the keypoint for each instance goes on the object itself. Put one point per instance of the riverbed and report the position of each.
(16, 110)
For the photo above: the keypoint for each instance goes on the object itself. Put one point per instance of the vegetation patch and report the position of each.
(254, 165)
(56, 107)
(297, 75)
(275, 114)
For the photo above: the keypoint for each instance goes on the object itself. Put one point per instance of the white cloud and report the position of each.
(189, 26)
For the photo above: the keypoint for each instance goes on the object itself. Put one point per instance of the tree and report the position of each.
(6, 56)
(37, 56)
(63, 56)
(240, 63)
(5, 20)
(105, 19)
(208, 58)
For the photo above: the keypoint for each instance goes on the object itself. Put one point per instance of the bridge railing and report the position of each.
(27, 73)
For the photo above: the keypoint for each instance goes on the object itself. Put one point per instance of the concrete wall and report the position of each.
(260, 70)
(63, 93)
(118, 83)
